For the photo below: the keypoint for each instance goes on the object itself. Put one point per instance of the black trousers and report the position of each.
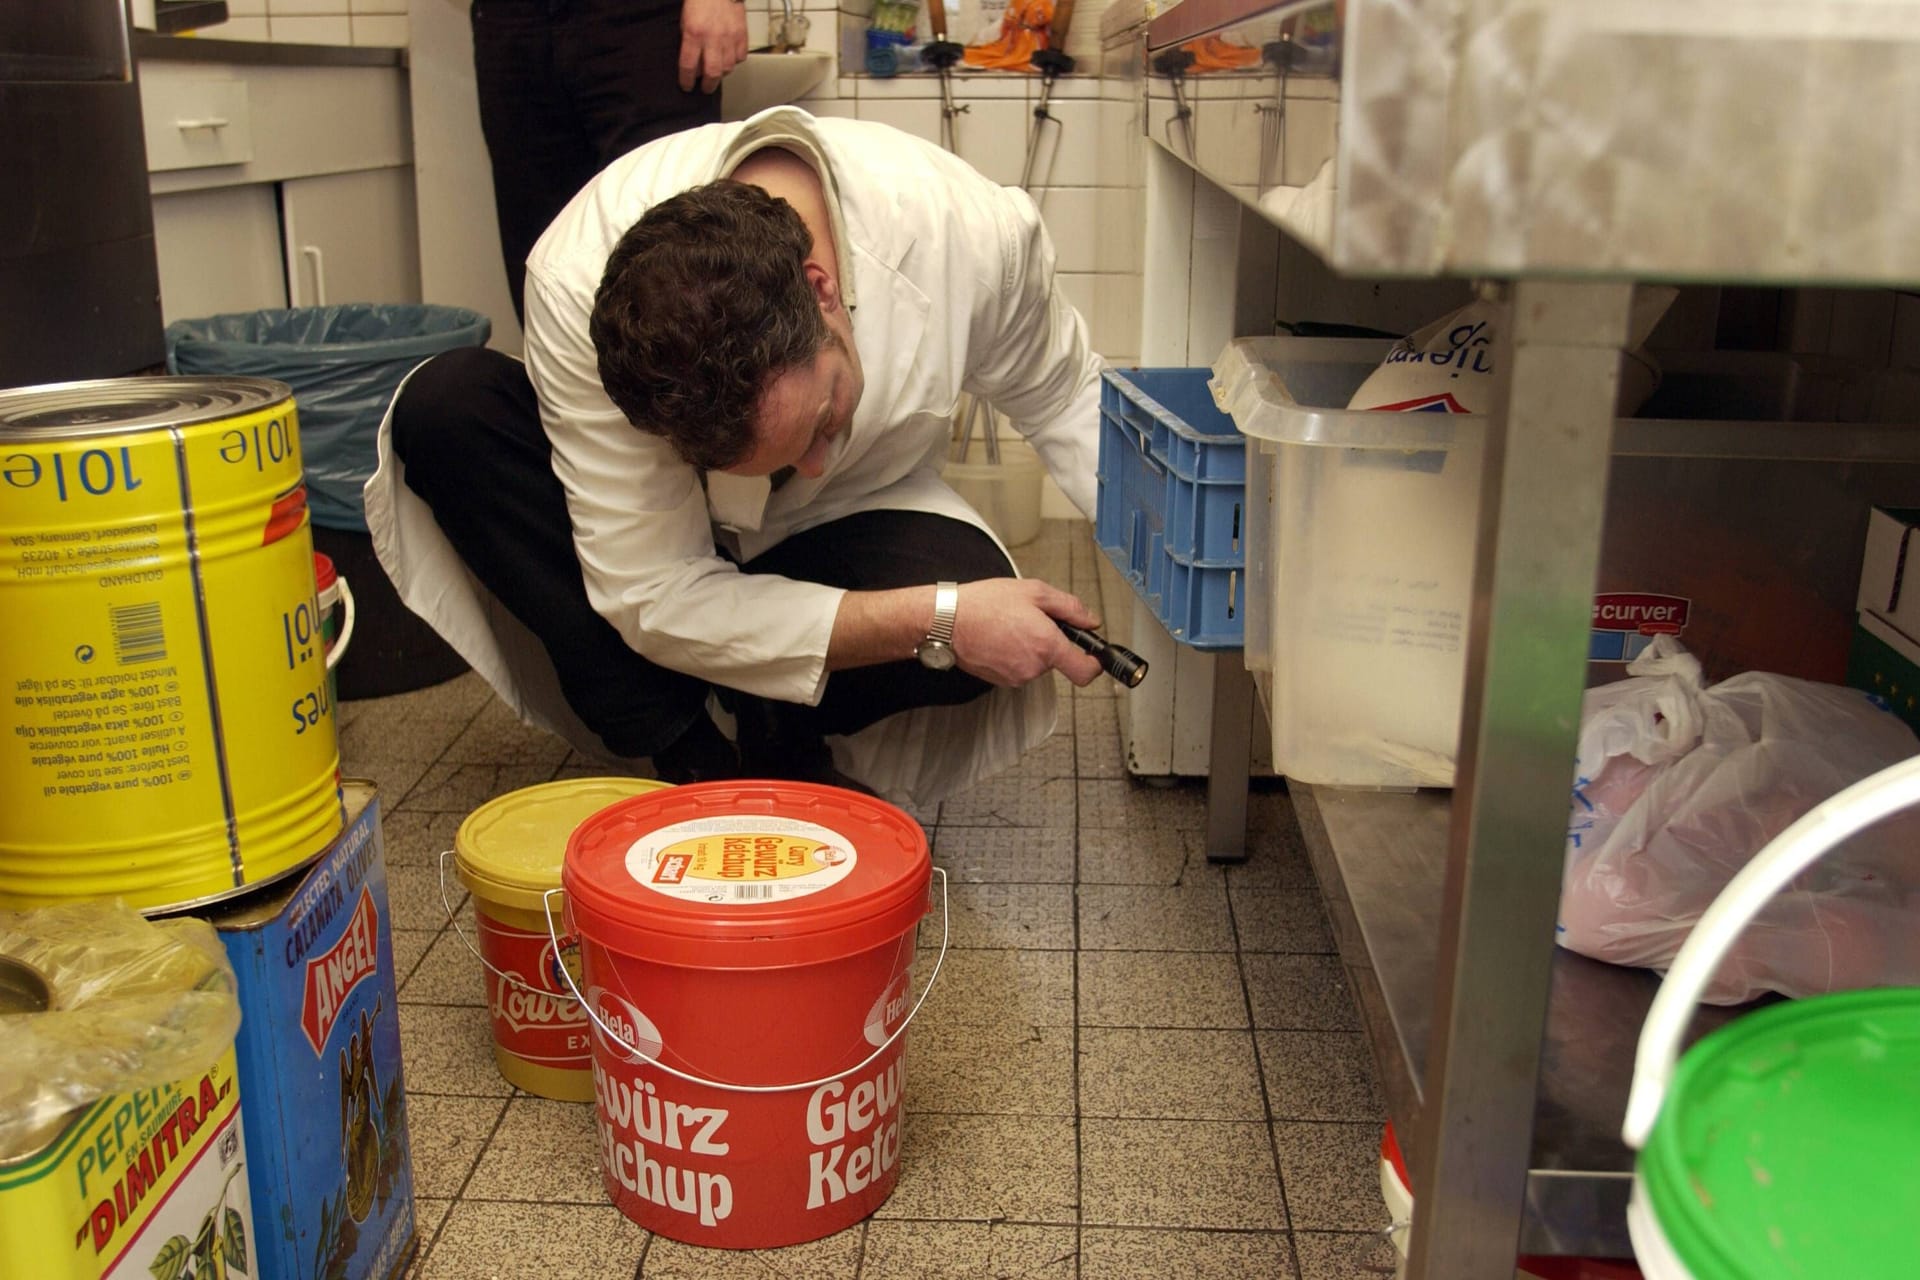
(566, 87)
(467, 426)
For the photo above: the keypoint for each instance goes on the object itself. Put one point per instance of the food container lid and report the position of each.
(747, 875)
(509, 850)
(1789, 1143)
(105, 406)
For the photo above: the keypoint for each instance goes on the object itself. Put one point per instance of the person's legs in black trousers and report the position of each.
(467, 427)
(876, 551)
(566, 87)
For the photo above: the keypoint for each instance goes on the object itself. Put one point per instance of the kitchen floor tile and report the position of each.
(1151, 856)
(1169, 1075)
(449, 1049)
(1111, 1253)
(1300, 993)
(967, 1251)
(446, 1136)
(1032, 916)
(503, 1240)
(984, 1168)
(1000, 988)
(1178, 1173)
(545, 1151)
(1280, 920)
(1160, 989)
(1332, 1172)
(990, 1070)
(1326, 1255)
(985, 855)
(1190, 917)
(833, 1258)
(449, 974)
(1319, 1075)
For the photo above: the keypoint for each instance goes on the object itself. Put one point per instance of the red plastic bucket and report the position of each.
(746, 950)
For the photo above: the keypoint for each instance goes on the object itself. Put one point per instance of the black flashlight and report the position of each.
(1118, 661)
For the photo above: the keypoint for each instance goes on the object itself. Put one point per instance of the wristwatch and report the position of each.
(936, 651)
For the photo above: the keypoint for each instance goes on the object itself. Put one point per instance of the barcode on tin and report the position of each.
(752, 892)
(137, 634)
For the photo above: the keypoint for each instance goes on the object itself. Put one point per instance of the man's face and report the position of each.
(806, 409)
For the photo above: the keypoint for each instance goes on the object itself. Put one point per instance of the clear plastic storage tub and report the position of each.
(1744, 536)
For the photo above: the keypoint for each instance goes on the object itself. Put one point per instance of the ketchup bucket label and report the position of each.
(762, 859)
(533, 1015)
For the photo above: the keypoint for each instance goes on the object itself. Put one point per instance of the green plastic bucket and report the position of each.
(1787, 1144)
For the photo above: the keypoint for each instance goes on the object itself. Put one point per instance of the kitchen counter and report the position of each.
(150, 47)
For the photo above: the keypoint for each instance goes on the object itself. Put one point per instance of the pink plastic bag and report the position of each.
(1678, 784)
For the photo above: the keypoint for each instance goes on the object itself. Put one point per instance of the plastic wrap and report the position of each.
(134, 1004)
(1679, 784)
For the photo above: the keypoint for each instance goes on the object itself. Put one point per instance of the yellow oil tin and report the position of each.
(166, 728)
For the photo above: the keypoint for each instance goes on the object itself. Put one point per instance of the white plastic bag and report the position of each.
(1448, 366)
(1679, 784)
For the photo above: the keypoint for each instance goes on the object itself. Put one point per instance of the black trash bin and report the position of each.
(344, 363)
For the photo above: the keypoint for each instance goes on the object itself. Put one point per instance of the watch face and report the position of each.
(935, 655)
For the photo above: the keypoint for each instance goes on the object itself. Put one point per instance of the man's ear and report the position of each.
(826, 289)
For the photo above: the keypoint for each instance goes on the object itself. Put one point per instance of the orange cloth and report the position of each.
(1022, 31)
(1211, 53)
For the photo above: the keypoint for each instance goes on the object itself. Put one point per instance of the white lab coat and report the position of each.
(951, 284)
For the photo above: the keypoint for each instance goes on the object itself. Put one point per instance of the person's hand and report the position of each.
(1004, 632)
(713, 41)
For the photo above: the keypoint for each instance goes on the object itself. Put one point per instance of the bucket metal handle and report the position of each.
(627, 1049)
(454, 920)
(1771, 870)
(338, 649)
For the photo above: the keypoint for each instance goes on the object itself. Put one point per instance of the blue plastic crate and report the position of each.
(1172, 494)
(1188, 461)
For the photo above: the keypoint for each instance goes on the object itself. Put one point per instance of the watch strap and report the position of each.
(946, 605)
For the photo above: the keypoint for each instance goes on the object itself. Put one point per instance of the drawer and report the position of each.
(195, 123)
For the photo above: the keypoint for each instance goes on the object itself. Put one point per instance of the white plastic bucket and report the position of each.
(1006, 493)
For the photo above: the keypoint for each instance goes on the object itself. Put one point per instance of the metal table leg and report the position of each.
(1542, 506)
(1229, 758)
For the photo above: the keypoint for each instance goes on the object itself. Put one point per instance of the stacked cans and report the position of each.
(167, 738)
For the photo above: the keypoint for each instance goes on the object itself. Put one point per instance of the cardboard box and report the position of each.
(1886, 663)
(1890, 572)
(319, 1053)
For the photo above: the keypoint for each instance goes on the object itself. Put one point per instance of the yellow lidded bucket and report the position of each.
(166, 731)
(508, 853)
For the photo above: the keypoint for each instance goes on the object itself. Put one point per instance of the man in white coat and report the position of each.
(715, 481)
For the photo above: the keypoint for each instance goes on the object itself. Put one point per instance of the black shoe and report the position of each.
(700, 754)
(774, 744)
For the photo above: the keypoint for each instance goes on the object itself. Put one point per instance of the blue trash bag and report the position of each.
(344, 364)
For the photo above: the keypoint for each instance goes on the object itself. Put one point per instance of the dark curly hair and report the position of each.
(703, 303)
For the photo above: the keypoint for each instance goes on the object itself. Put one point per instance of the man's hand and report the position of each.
(1004, 632)
(713, 41)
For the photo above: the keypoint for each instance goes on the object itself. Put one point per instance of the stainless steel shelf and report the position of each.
(1381, 859)
(1460, 139)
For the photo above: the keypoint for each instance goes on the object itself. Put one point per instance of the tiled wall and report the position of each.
(366, 22)
(1086, 175)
